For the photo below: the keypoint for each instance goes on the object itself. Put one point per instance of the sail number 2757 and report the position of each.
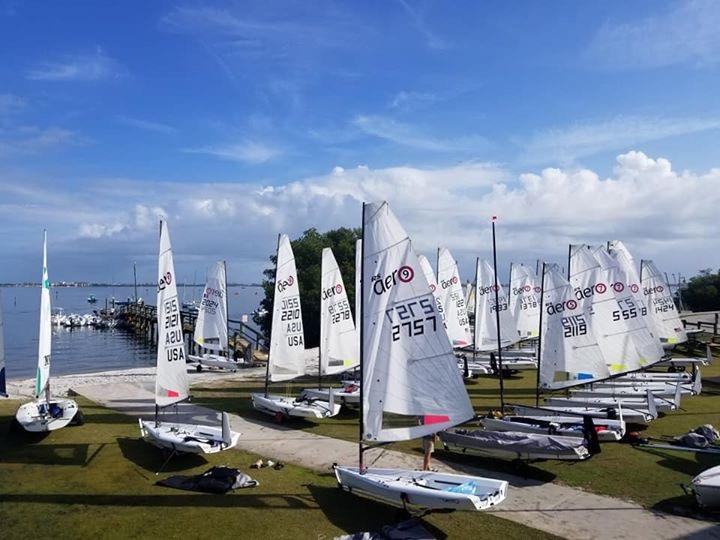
(412, 317)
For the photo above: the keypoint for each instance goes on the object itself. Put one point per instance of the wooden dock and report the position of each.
(244, 341)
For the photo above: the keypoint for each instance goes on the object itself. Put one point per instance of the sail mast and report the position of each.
(497, 319)
(267, 366)
(361, 426)
(539, 355)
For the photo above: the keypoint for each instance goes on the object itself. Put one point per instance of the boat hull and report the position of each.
(291, 407)
(422, 489)
(566, 426)
(37, 417)
(186, 438)
(351, 399)
(215, 361)
(706, 486)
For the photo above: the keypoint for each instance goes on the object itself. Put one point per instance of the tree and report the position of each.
(308, 257)
(703, 291)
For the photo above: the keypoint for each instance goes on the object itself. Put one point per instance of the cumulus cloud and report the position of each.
(93, 66)
(661, 213)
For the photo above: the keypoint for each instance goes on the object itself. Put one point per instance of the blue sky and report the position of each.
(230, 119)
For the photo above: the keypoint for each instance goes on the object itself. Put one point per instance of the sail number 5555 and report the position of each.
(412, 317)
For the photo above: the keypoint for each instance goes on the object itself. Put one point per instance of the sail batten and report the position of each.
(171, 380)
(409, 369)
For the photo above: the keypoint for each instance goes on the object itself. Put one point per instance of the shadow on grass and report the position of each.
(366, 514)
(236, 500)
(688, 463)
(686, 506)
(150, 458)
(45, 454)
(496, 468)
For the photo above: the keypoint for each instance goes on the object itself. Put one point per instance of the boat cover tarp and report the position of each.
(411, 529)
(215, 480)
(512, 441)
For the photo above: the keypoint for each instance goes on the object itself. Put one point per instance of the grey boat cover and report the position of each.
(411, 529)
(215, 480)
(512, 441)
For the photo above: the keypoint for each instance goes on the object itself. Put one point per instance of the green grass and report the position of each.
(97, 481)
(649, 478)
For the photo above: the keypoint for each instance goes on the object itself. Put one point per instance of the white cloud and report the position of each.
(565, 144)
(10, 103)
(147, 125)
(409, 100)
(251, 152)
(94, 66)
(406, 135)
(27, 140)
(664, 214)
(417, 18)
(686, 33)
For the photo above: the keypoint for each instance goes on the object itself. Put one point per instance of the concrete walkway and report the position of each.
(560, 510)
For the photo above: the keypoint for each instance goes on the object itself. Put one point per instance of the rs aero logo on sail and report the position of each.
(331, 291)
(285, 283)
(404, 274)
(164, 281)
(445, 283)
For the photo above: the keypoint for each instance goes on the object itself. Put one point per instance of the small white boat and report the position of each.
(415, 371)
(171, 379)
(706, 487)
(667, 391)
(423, 489)
(46, 413)
(287, 406)
(648, 404)
(568, 426)
(288, 357)
(189, 438)
(630, 416)
(348, 395)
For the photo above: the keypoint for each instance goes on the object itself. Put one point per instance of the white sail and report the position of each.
(430, 277)
(486, 329)
(411, 384)
(569, 353)
(287, 340)
(452, 298)
(358, 289)
(171, 380)
(339, 349)
(3, 388)
(630, 311)
(470, 297)
(661, 306)
(525, 300)
(593, 290)
(211, 329)
(42, 378)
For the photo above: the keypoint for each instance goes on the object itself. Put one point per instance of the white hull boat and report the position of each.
(286, 407)
(630, 416)
(661, 405)
(214, 361)
(567, 426)
(622, 392)
(40, 416)
(189, 438)
(423, 489)
(515, 445)
(706, 487)
(347, 397)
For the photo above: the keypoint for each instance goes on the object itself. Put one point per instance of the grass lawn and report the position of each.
(649, 478)
(97, 481)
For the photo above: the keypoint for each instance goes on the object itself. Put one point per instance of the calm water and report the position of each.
(84, 350)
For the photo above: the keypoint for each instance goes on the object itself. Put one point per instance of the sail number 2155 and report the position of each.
(412, 318)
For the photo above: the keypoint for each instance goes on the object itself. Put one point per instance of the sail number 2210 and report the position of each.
(413, 317)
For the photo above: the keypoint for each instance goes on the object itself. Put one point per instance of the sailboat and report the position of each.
(211, 327)
(410, 383)
(287, 356)
(525, 300)
(450, 292)
(3, 387)
(46, 413)
(339, 345)
(661, 306)
(171, 379)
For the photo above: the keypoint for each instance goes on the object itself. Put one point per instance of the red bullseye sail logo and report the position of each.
(634, 288)
(537, 289)
(571, 304)
(600, 288)
(284, 284)
(338, 288)
(405, 274)
(618, 287)
(432, 287)
(527, 288)
(164, 281)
